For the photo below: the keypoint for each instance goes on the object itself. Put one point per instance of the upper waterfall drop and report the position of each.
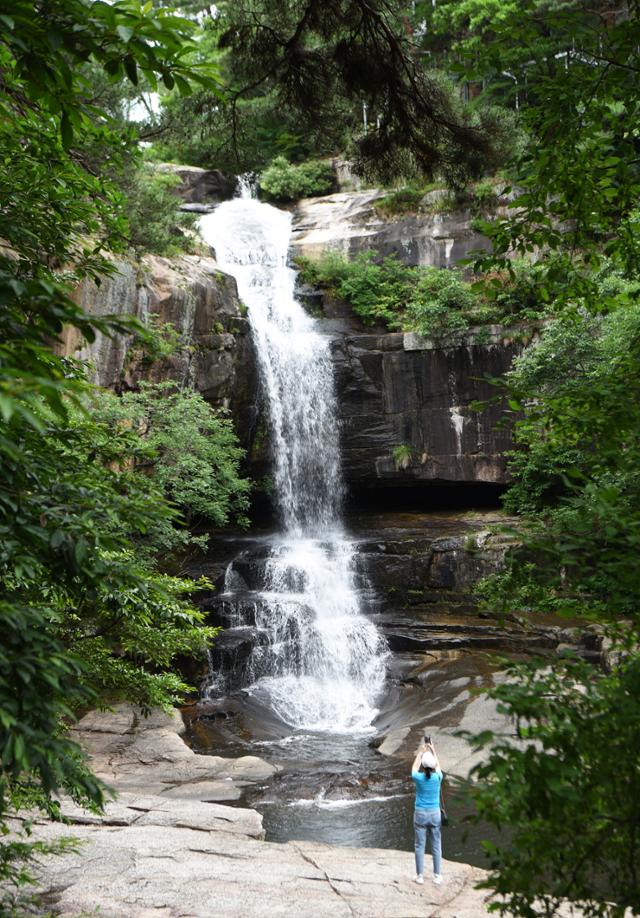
(251, 242)
(321, 662)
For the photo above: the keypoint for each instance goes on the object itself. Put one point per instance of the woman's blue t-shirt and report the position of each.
(427, 790)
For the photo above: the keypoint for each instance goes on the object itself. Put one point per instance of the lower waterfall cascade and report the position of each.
(316, 660)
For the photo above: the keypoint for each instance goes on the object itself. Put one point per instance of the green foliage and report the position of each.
(579, 172)
(575, 467)
(17, 859)
(161, 341)
(415, 199)
(402, 456)
(84, 620)
(45, 42)
(80, 617)
(405, 200)
(322, 59)
(39, 683)
(485, 196)
(152, 213)
(575, 386)
(377, 290)
(576, 482)
(437, 303)
(440, 303)
(284, 181)
(189, 450)
(569, 797)
(84, 507)
(204, 131)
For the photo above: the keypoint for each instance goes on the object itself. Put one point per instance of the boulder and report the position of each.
(200, 186)
(147, 756)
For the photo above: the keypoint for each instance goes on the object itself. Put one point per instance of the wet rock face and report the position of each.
(215, 351)
(406, 410)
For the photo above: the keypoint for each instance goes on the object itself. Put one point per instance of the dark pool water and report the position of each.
(338, 789)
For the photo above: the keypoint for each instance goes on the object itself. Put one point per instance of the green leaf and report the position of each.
(66, 130)
(131, 69)
(125, 33)
(7, 408)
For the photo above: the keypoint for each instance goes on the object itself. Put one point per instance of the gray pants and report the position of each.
(426, 824)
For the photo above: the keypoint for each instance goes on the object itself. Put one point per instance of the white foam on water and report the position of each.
(322, 804)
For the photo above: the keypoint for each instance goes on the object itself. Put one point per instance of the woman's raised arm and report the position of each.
(422, 748)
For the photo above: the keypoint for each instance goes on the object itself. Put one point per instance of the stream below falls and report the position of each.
(338, 787)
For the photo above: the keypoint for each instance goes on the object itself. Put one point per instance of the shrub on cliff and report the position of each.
(186, 451)
(433, 302)
(441, 303)
(285, 181)
(155, 223)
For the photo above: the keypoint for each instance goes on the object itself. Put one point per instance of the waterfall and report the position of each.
(319, 663)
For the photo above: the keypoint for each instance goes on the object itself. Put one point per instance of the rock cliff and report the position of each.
(349, 222)
(214, 353)
(406, 402)
(407, 409)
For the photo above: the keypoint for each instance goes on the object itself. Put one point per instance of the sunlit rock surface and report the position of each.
(348, 222)
(147, 757)
(151, 856)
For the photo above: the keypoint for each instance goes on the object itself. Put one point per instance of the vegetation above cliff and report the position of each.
(438, 304)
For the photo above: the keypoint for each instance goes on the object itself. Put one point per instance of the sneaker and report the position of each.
(420, 879)
(437, 878)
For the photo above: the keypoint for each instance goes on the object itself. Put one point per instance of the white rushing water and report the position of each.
(321, 662)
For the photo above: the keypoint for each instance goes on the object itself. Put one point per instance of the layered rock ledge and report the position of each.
(349, 222)
(158, 851)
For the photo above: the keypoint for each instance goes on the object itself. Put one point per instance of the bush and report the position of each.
(285, 181)
(410, 200)
(431, 301)
(152, 211)
(440, 304)
(405, 200)
(191, 454)
(377, 291)
(485, 197)
(435, 302)
(402, 456)
(520, 293)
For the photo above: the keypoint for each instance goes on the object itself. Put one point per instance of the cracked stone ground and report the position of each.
(166, 848)
(137, 870)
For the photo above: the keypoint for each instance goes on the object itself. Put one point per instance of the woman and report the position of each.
(427, 776)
